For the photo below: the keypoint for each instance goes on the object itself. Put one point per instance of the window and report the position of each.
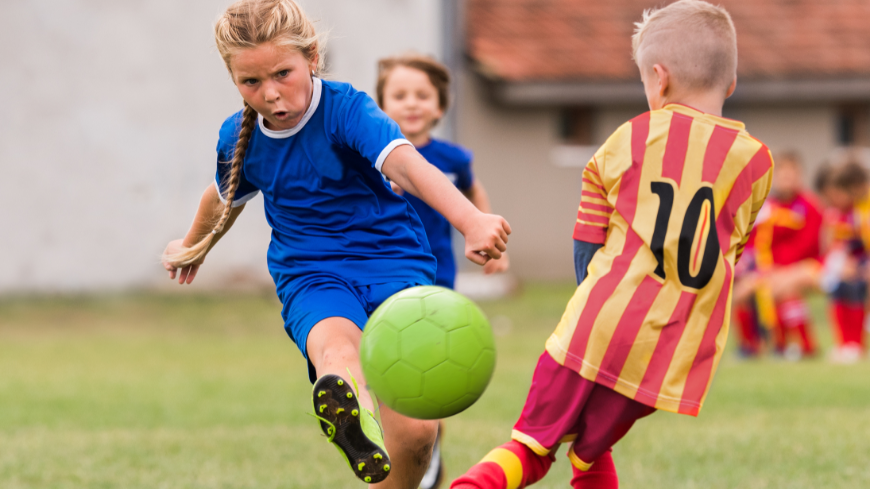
(577, 126)
(576, 138)
(853, 125)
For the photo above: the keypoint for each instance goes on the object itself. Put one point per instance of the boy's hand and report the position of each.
(497, 266)
(186, 274)
(486, 237)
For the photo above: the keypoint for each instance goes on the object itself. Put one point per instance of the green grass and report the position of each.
(150, 391)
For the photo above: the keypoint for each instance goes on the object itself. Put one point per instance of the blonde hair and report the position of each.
(439, 75)
(247, 24)
(695, 40)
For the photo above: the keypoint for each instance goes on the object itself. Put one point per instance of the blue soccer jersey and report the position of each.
(455, 162)
(330, 210)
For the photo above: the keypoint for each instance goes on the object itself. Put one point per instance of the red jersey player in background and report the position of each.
(785, 239)
(845, 274)
(666, 208)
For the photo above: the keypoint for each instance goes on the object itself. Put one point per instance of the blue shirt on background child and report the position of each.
(455, 162)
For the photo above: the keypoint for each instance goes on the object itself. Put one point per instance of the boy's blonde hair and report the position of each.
(695, 40)
(247, 24)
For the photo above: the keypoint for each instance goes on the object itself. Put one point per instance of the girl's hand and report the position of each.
(186, 274)
(486, 237)
(497, 266)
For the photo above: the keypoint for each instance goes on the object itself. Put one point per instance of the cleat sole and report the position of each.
(343, 411)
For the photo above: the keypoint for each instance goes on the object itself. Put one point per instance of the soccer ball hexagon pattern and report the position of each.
(428, 352)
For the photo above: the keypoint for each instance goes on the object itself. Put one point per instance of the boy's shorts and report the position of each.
(854, 292)
(312, 298)
(564, 407)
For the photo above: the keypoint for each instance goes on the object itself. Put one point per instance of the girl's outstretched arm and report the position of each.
(478, 196)
(486, 235)
(209, 211)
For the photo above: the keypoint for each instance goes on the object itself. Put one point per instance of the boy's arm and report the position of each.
(593, 215)
(209, 211)
(485, 235)
(583, 253)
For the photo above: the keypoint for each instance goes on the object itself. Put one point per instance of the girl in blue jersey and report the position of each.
(414, 91)
(342, 241)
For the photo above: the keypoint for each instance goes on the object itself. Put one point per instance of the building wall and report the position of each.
(808, 129)
(110, 118)
(512, 159)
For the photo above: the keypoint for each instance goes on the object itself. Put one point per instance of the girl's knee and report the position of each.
(333, 340)
(417, 434)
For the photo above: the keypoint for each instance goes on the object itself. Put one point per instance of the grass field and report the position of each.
(150, 391)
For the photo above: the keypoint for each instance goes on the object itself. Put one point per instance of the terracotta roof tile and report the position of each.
(550, 40)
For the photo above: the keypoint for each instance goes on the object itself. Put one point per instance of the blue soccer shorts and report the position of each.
(312, 298)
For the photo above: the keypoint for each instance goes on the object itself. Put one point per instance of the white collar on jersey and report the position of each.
(312, 107)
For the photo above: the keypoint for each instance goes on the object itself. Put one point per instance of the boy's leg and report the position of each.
(748, 329)
(602, 474)
(333, 348)
(606, 418)
(840, 317)
(855, 324)
(794, 317)
(556, 399)
(510, 466)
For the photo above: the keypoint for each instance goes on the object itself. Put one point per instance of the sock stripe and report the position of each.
(530, 442)
(577, 462)
(510, 464)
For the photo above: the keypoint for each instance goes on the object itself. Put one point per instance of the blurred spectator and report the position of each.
(847, 193)
(782, 262)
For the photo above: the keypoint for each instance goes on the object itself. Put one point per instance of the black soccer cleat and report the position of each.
(351, 428)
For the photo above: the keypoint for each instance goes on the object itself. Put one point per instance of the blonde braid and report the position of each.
(196, 253)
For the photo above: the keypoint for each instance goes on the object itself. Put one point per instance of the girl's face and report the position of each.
(275, 81)
(412, 101)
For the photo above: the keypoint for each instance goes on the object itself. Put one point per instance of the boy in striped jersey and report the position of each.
(666, 209)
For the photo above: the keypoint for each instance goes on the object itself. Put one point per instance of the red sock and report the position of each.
(807, 343)
(602, 475)
(748, 330)
(841, 318)
(510, 465)
(855, 326)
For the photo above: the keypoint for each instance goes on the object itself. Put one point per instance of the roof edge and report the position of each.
(535, 93)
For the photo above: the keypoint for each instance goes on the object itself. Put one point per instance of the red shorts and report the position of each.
(563, 406)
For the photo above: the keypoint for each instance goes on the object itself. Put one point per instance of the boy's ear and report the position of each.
(663, 77)
(731, 88)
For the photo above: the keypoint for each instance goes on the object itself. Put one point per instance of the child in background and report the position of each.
(783, 246)
(666, 209)
(414, 91)
(844, 276)
(342, 241)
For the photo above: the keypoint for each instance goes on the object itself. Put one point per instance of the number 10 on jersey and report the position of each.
(686, 260)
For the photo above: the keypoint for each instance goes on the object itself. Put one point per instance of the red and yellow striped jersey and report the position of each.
(672, 195)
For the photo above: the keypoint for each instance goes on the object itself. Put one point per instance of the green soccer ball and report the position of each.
(428, 352)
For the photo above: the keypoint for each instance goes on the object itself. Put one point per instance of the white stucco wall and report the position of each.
(110, 119)
(806, 128)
